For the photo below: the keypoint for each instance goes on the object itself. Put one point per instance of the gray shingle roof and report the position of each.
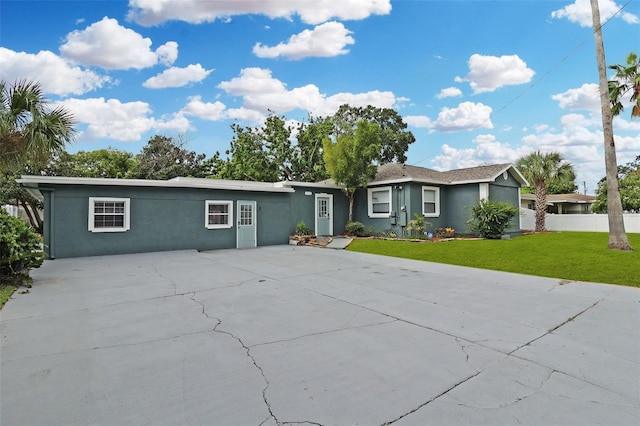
(403, 172)
(396, 171)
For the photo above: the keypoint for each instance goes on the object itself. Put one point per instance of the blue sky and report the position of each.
(477, 81)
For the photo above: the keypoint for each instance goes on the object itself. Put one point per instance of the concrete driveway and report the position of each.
(295, 335)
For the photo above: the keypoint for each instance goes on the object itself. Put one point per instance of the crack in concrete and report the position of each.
(384, 314)
(251, 357)
(95, 348)
(430, 400)
(463, 347)
(154, 270)
(319, 333)
(551, 330)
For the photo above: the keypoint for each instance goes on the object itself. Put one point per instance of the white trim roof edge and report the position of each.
(405, 180)
(230, 185)
(291, 183)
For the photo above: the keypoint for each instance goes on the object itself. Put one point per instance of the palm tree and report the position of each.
(539, 169)
(627, 79)
(617, 235)
(29, 131)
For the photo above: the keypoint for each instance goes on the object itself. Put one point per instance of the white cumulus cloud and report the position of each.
(449, 92)
(177, 77)
(119, 121)
(325, 40)
(205, 110)
(580, 12)
(488, 73)
(261, 92)
(55, 74)
(419, 121)
(109, 45)
(154, 12)
(586, 97)
(487, 150)
(466, 116)
(167, 53)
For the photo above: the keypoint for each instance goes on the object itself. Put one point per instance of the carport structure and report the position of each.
(291, 334)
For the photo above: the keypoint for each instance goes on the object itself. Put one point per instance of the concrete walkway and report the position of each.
(294, 335)
(339, 243)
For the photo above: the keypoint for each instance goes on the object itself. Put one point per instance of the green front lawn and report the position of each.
(574, 256)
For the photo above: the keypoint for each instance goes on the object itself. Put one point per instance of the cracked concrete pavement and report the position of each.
(300, 335)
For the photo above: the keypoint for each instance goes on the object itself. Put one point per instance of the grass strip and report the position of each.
(5, 293)
(573, 256)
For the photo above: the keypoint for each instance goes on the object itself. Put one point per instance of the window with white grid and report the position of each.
(246, 215)
(108, 214)
(218, 214)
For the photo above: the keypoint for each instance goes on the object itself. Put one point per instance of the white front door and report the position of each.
(324, 214)
(246, 234)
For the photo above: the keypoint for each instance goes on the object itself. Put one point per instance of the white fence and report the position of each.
(578, 222)
(12, 210)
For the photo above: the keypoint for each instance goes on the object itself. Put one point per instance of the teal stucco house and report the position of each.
(89, 216)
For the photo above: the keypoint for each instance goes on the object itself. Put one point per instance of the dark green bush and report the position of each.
(490, 218)
(355, 228)
(20, 249)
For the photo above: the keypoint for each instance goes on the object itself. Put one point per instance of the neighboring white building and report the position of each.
(561, 203)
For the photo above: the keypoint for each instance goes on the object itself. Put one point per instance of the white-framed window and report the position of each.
(109, 214)
(379, 201)
(218, 214)
(430, 201)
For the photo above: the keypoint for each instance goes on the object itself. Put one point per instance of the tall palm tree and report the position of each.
(539, 169)
(30, 132)
(627, 79)
(617, 235)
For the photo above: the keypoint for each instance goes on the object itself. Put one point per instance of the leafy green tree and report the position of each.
(30, 133)
(629, 184)
(539, 169)
(307, 163)
(248, 159)
(165, 158)
(276, 139)
(349, 160)
(394, 138)
(626, 79)
(101, 163)
(269, 154)
(212, 167)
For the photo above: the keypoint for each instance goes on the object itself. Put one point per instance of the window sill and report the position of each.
(219, 226)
